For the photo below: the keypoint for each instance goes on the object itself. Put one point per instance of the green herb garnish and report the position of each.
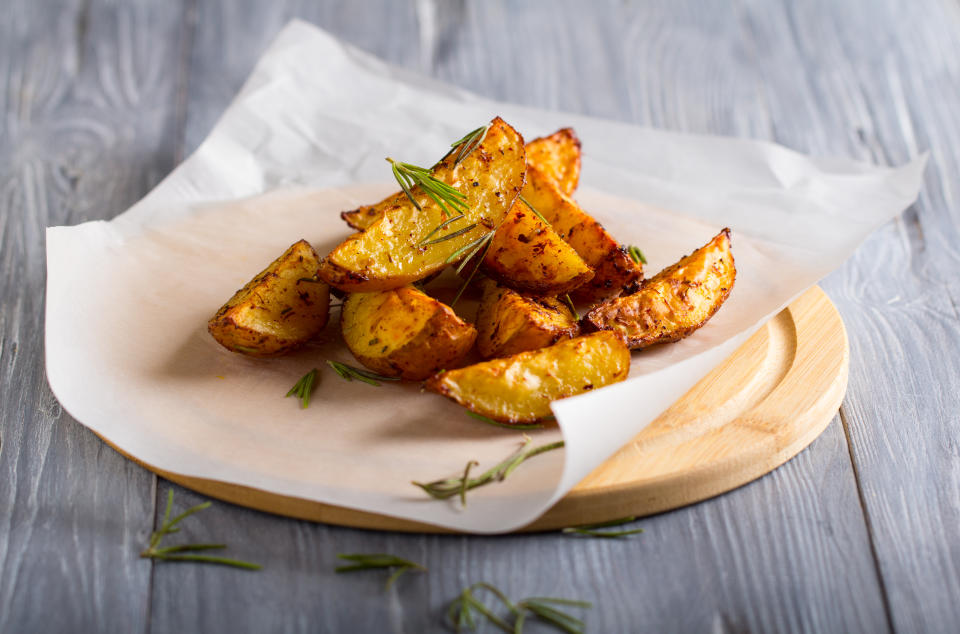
(376, 561)
(636, 254)
(573, 309)
(592, 530)
(449, 487)
(349, 373)
(303, 388)
(446, 196)
(461, 611)
(173, 553)
(534, 210)
(497, 423)
(469, 142)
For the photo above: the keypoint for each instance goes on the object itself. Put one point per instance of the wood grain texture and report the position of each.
(98, 102)
(87, 104)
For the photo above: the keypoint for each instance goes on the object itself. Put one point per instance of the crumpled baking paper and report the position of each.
(128, 354)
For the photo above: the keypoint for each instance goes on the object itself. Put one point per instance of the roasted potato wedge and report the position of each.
(613, 268)
(673, 303)
(526, 254)
(283, 307)
(404, 333)
(558, 157)
(508, 322)
(388, 254)
(520, 388)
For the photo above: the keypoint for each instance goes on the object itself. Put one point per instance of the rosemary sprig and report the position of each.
(170, 553)
(438, 228)
(573, 309)
(636, 254)
(349, 373)
(592, 530)
(497, 423)
(472, 247)
(446, 196)
(374, 561)
(303, 388)
(468, 142)
(534, 210)
(461, 611)
(449, 487)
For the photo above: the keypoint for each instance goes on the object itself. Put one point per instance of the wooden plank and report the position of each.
(877, 79)
(789, 552)
(86, 96)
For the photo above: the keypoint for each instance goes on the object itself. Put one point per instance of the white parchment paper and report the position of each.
(127, 300)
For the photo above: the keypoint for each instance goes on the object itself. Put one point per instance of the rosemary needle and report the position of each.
(636, 254)
(534, 210)
(349, 373)
(446, 196)
(374, 561)
(303, 388)
(593, 530)
(573, 309)
(496, 423)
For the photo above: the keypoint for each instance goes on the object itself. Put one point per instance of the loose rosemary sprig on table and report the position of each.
(349, 373)
(303, 388)
(173, 553)
(636, 254)
(446, 196)
(496, 423)
(374, 561)
(449, 487)
(593, 530)
(461, 611)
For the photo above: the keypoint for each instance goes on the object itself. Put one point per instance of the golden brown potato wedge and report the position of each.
(281, 308)
(613, 268)
(508, 322)
(404, 333)
(526, 254)
(389, 254)
(675, 302)
(558, 157)
(520, 388)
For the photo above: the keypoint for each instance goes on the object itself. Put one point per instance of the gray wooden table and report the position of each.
(100, 99)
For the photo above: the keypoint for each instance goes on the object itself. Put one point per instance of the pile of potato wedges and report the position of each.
(522, 243)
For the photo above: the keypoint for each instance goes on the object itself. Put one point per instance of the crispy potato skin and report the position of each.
(558, 157)
(404, 333)
(528, 255)
(613, 268)
(282, 308)
(520, 388)
(386, 255)
(675, 302)
(508, 322)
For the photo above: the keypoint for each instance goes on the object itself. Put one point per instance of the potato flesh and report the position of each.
(387, 254)
(508, 322)
(528, 255)
(520, 388)
(558, 157)
(674, 303)
(613, 268)
(281, 308)
(404, 333)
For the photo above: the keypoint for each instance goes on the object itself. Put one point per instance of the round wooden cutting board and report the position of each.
(760, 408)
